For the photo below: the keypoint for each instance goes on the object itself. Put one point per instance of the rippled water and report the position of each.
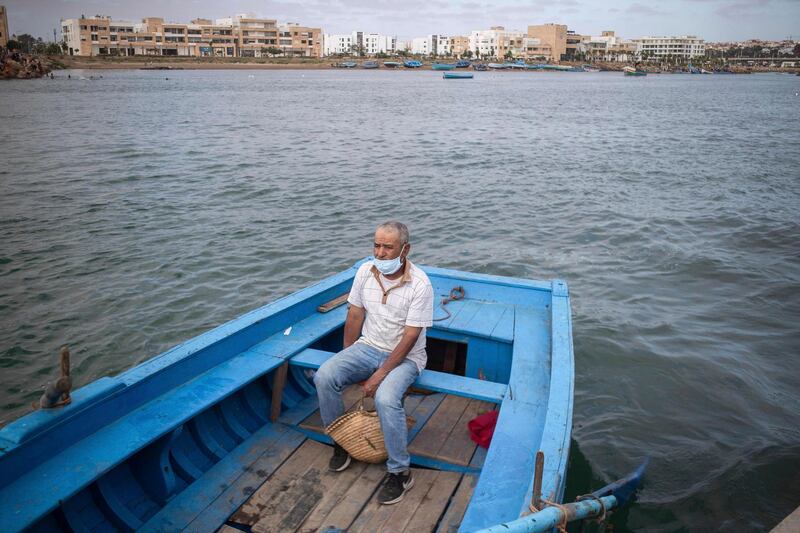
(137, 211)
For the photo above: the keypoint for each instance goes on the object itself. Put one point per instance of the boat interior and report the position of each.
(223, 431)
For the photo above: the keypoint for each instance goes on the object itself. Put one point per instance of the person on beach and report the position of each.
(390, 305)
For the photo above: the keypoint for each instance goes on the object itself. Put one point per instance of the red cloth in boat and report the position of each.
(481, 428)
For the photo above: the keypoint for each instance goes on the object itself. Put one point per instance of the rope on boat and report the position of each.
(562, 524)
(602, 516)
(456, 293)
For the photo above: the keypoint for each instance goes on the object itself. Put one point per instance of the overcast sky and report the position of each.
(713, 20)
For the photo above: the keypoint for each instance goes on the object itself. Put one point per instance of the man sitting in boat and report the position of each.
(390, 305)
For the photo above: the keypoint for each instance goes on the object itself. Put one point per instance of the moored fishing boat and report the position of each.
(463, 63)
(347, 64)
(186, 438)
(479, 67)
(497, 66)
(370, 64)
(633, 71)
(457, 75)
(392, 64)
(443, 66)
(412, 63)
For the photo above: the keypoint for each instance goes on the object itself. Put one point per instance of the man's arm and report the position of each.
(353, 324)
(410, 336)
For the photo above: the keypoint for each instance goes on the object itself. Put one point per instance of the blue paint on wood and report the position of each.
(209, 397)
(183, 509)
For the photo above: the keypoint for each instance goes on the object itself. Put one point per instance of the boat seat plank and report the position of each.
(429, 379)
(486, 320)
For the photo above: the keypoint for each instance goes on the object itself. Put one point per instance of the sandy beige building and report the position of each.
(459, 44)
(3, 26)
(300, 41)
(562, 42)
(240, 36)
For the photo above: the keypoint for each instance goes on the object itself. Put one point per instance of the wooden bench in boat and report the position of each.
(429, 379)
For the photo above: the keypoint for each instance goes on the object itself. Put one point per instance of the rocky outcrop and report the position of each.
(16, 65)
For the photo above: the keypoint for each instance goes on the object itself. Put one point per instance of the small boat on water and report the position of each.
(588, 68)
(347, 64)
(224, 428)
(392, 64)
(464, 63)
(412, 63)
(443, 66)
(370, 64)
(457, 75)
(633, 71)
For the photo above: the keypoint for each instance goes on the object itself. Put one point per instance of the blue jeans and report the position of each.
(357, 363)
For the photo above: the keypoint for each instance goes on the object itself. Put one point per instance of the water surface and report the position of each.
(145, 207)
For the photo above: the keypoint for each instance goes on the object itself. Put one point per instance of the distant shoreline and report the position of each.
(159, 63)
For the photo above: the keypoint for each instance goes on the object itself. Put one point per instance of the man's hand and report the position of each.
(370, 387)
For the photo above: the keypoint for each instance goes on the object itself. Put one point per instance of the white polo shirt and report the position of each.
(391, 305)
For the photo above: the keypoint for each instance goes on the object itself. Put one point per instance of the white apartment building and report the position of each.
(493, 42)
(337, 44)
(686, 46)
(359, 42)
(607, 47)
(438, 45)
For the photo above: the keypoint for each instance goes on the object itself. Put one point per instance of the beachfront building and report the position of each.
(359, 43)
(688, 46)
(431, 45)
(562, 42)
(459, 44)
(299, 41)
(607, 47)
(495, 42)
(3, 26)
(252, 34)
(239, 36)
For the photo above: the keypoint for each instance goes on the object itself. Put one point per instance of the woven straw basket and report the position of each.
(359, 433)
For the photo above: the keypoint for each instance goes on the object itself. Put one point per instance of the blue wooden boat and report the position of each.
(412, 63)
(479, 67)
(443, 66)
(457, 75)
(202, 435)
(463, 63)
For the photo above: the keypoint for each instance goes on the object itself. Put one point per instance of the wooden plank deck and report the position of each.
(303, 495)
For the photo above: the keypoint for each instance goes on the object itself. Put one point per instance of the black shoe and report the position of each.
(339, 460)
(394, 487)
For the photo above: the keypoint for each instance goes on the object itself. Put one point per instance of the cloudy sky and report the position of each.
(713, 20)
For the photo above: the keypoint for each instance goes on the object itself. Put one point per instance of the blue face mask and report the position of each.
(387, 267)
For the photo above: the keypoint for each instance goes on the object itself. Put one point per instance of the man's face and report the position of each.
(388, 245)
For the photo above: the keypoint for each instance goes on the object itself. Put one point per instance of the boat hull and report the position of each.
(177, 440)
